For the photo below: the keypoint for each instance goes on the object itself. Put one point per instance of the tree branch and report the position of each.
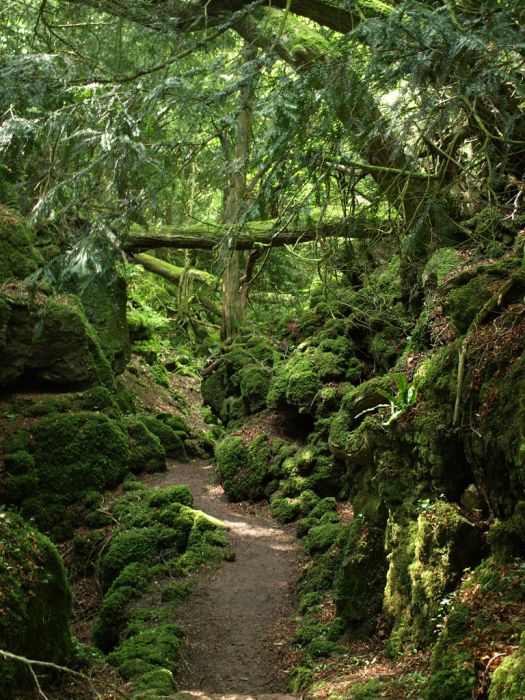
(47, 664)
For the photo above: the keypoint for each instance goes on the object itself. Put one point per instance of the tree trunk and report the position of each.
(232, 308)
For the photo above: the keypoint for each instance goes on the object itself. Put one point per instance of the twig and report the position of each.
(48, 664)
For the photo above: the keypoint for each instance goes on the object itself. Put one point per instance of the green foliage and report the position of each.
(405, 398)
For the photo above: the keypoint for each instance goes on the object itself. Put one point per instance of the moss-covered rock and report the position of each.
(236, 383)
(77, 452)
(48, 340)
(69, 458)
(360, 576)
(145, 449)
(103, 296)
(508, 680)
(244, 469)
(170, 441)
(481, 617)
(35, 600)
(427, 557)
(296, 383)
(18, 256)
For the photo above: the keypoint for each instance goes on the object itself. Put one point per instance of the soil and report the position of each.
(239, 617)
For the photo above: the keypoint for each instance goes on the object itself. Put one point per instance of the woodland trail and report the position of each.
(239, 618)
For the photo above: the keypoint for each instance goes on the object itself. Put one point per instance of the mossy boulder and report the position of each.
(48, 340)
(244, 468)
(236, 382)
(168, 437)
(104, 298)
(77, 452)
(508, 680)
(145, 449)
(360, 576)
(427, 557)
(296, 383)
(69, 457)
(35, 601)
(478, 619)
(18, 256)
(354, 430)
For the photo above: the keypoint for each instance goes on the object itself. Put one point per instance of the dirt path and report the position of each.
(239, 619)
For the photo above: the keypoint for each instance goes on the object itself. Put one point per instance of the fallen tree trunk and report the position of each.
(208, 237)
(172, 273)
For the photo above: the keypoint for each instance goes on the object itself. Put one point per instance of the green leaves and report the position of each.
(405, 398)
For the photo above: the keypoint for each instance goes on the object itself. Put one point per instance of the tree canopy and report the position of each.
(127, 113)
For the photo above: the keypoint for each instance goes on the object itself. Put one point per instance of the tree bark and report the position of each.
(198, 15)
(232, 308)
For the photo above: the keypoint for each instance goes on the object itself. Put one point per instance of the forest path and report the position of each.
(239, 617)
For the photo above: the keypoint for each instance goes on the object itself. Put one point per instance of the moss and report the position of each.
(325, 505)
(154, 684)
(319, 648)
(127, 547)
(177, 423)
(159, 647)
(508, 680)
(18, 256)
(254, 385)
(169, 439)
(284, 509)
(103, 297)
(318, 574)
(322, 537)
(440, 265)
(78, 452)
(71, 455)
(304, 525)
(427, 559)
(35, 600)
(244, 469)
(145, 448)
(114, 611)
(238, 381)
(296, 383)
(161, 498)
(98, 398)
(175, 591)
(360, 576)
(465, 302)
(507, 538)
(86, 548)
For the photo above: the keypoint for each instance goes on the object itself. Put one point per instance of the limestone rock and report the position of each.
(48, 340)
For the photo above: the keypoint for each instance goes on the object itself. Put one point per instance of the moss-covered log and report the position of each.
(170, 272)
(208, 236)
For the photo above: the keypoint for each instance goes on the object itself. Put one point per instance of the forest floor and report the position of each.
(239, 617)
